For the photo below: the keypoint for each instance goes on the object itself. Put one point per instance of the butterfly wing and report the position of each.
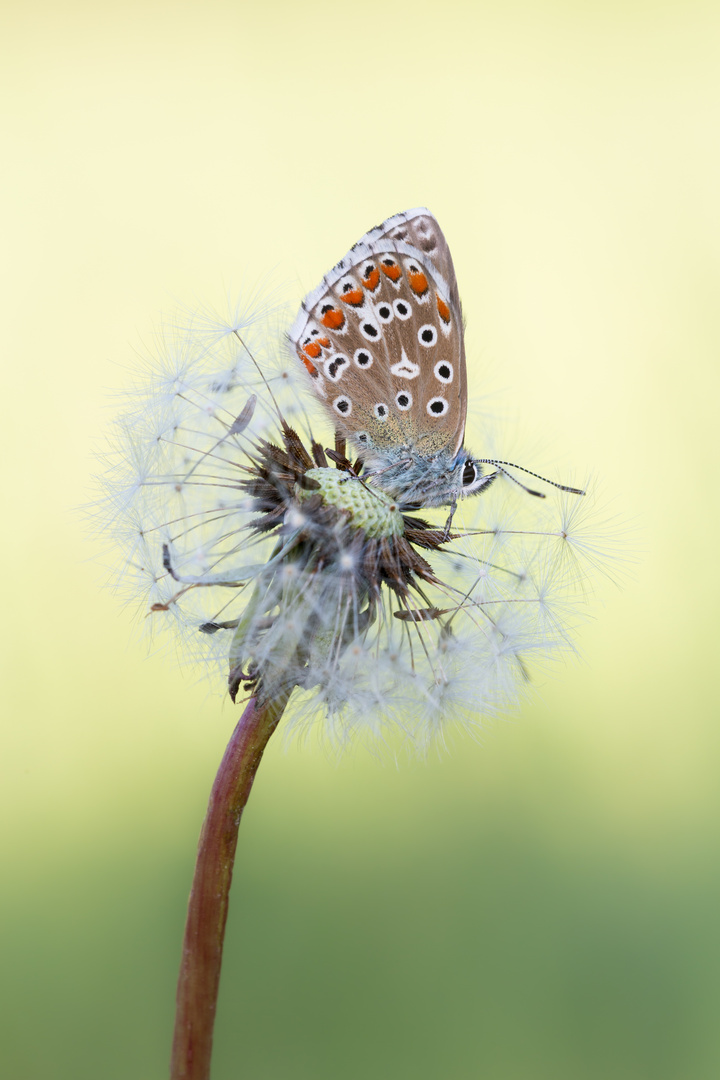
(382, 339)
(420, 229)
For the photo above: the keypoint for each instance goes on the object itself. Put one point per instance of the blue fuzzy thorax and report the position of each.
(420, 481)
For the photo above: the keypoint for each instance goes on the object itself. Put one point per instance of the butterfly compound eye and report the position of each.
(469, 475)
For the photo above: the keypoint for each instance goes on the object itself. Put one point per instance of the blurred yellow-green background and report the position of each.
(541, 905)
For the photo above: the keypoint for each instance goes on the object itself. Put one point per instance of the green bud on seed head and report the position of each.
(368, 508)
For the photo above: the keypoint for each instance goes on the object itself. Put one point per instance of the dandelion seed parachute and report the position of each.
(247, 534)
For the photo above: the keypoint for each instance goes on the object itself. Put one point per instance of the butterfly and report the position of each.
(382, 340)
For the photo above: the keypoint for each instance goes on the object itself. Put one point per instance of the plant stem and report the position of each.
(208, 904)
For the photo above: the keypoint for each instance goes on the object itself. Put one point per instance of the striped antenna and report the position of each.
(530, 491)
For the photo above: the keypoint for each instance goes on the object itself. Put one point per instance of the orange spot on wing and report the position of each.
(333, 319)
(324, 341)
(310, 366)
(313, 349)
(418, 283)
(393, 272)
(372, 280)
(443, 309)
(354, 297)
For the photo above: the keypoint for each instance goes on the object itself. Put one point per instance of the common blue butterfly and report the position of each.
(382, 340)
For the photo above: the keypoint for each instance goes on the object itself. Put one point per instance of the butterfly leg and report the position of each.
(448, 523)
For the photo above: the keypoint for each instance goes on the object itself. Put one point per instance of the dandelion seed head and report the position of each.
(278, 571)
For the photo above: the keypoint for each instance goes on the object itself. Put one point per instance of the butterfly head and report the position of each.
(464, 476)
(473, 479)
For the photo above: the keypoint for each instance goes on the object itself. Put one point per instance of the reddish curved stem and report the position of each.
(208, 904)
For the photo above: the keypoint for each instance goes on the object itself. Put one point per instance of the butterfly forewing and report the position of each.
(420, 229)
(382, 340)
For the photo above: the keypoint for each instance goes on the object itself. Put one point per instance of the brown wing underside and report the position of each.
(382, 338)
(422, 231)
